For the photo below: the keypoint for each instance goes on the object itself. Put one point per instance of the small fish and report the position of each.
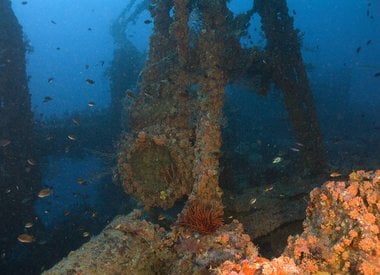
(358, 49)
(50, 80)
(90, 81)
(101, 62)
(47, 99)
(72, 137)
(76, 121)
(25, 238)
(130, 94)
(294, 149)
(299, 144)
(335, 174)
(87, 66)
(268, 189)
(31, 162)
(161, 217)
(377, 74)
(4, 142)
(277, 160)
(24, 2)
(58, 48)
(66, 212)
(148, 21)
(28, 225)
(369, 42)
(252, 201)
(53, 22)
(89, 29)
(91, 103)
(86, 234)
(294, 12)
(81, 181)
(46, 192)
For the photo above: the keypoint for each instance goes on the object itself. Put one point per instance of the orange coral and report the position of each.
(342, 227)
(202, 218)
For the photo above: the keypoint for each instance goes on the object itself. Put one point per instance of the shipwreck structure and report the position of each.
(173, 147)
(174, 143)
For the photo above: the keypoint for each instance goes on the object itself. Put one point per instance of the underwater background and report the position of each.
(82, 75)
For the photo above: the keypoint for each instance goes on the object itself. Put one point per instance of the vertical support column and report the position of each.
(289, 74)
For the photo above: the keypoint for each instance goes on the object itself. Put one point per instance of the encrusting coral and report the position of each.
(342, 227)
(341, 233)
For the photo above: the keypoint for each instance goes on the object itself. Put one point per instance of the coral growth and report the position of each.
(341, 231)
(201, 217)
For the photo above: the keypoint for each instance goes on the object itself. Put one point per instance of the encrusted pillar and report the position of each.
(288, 72)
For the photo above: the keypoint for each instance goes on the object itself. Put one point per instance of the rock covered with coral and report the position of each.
(342, 228)
(341, 233)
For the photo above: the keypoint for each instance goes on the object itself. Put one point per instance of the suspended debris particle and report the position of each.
(90, 81)
(50, 80)
(377, 74)
(148, 21)
(101, 63)
(294, 12)
(86, 234)
(28, 225)
(299, 144)
(53, 22)
(93, 215)
(4, 142)
(335, 174)
(369, 42)
(87, 66)
(47, 99)
(252, 201)
(76, 121)
(81, 181)
(31, 162)
(46, 192)
(277, 160)
(91, 104)
(66, 212)
(42, 242)
(24, 201)
(358, 49)
(25, 238)
(8, 191)
(72, 137)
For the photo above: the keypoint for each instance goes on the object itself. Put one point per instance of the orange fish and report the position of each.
(335, 174)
